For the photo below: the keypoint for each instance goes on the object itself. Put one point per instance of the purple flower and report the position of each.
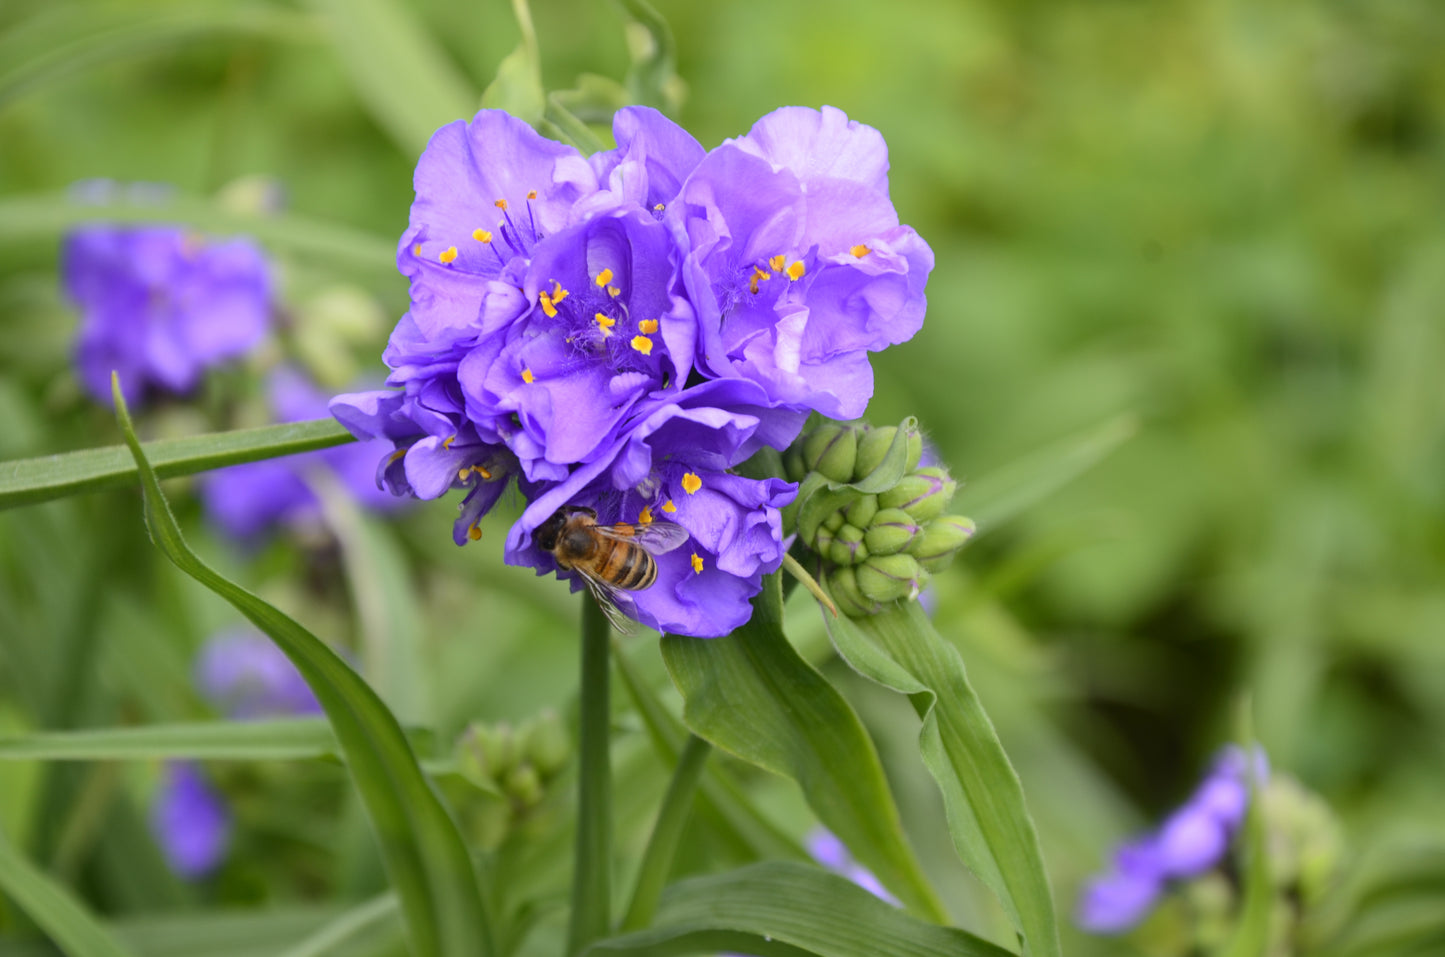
(1192, 840)
(244, 675)
(190, 821)
(160, 305)
(795, 259)
(246, 501)
(830, 852)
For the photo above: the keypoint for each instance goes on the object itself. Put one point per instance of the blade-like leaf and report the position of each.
(987, 816)
(653, 79)
(429, 865)
(327, 939)
(280, 739)
(401, 73)
(517, 87)
(27, 481)
(54, 908)
(752, 695)
(782, 909)
(45, 218)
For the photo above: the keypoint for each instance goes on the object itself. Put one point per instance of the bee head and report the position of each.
(547, 533)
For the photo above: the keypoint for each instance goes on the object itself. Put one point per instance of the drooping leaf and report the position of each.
(278, 739)
(783, 909)
(752, 695)
(987, 816)
(517, 87)
(57, 912)
(28, 481)
(429, 865)
(652, 80)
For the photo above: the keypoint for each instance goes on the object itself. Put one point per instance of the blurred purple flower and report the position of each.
(246, 501)
(1192, 840)
(830, 852)
(190, 821)
(244, 675)
(160, 305)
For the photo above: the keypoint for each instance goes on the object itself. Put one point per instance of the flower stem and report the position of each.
(666, 832)
(591, 878)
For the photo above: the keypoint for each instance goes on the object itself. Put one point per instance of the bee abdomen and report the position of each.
(629, 567)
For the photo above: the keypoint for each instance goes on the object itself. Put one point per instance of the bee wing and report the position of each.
(659, 538)
(606, 597)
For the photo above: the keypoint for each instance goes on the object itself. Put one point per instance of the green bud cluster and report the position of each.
(881, 546)
(516, 763)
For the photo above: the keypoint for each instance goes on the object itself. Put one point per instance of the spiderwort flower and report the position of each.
(245, 676)
(160, 305)
(830, 852)
(1192, 840)
(190, 821)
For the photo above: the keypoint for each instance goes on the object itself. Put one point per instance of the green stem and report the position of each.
(591, 879)
(657, 859)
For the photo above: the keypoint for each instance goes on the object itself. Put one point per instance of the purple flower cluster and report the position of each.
(1192, 840)
(619, 332)
(246, 501)
(160, 305)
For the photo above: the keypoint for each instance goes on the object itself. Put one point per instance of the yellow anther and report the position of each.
(481, 235)
(758, 276)
(531, 194)
(416, 250)
(642, 344)
(501, 204)
(860, 250)
(696, 563)
(527, 376)
(613, 291)
(447, 443)
(668, 507)
(604, 277)
(482, 472)
(391, 459)
(448, 254)
(645, 516)
(777, 262)
(605, 323)
(795, 271)
(547, 306)
(475, 533)
(648, 326)
(463, 472)
(558, 293)
(691, 482)
(659, 207)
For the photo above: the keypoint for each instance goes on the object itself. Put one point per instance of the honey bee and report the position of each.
(612, 559)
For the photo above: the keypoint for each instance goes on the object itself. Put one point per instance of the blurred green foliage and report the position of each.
(1225, 218)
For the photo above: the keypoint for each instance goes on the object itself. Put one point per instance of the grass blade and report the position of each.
(28, 481)
(272, 740)
(53, 908)
(429, 865)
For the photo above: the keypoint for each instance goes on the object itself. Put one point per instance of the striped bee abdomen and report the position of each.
(627, 566)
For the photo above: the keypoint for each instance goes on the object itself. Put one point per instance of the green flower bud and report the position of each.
(941, 538)
(861, 511)
(523, 785)
(847, 547)
(890, 577)
(834, 521)
(793, 468)
(843, 585)
(831, 449)
(545, 744)
(485, 753)
(925, 494)
(822, 542)
(891, 531)
(873, 448)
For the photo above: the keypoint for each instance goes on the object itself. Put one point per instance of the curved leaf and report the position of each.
(281, 739)
(782, 909)
(54, 908)
(752, 695)
(429, 865)
(987, 816)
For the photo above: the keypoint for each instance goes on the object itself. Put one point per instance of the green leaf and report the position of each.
(43, 219)
(990, 823)
(752, 695)
(362, 917)
(653, 79)
(67, 39)
(666, 834)
(280, 739)
(783, 909)
(1005, 493)
(27, 481)
(401, 73)
(517, 87)
(429, 865)
(63, 918)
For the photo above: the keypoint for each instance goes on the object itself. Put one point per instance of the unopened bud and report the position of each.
(545, 744)
(873, 448)
(925, 494)
(891, 531)
(793, 468)
(831, 449)
(843, 584)
(486, 753)
(823, 541)
(523, 785)
(861, 511)
(847, 547)
(941, 538)
(885, 578)
(834, 521)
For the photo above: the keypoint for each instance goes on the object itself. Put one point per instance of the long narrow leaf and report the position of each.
(54, 908)
(282, 739)
(752, 695)
(782, 909)
(430, 868)
(28, 481)
(990, 823)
